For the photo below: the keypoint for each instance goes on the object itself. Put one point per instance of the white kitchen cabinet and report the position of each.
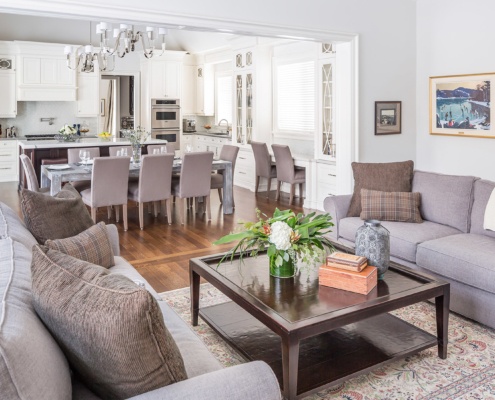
(188, 100)
(88, 89)
(326, 177)
(9, 164)
(45, 78)
(244, 169)
(8, 103)
(166, 79)
(205, 90)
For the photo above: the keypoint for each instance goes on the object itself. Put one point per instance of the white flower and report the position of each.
(67, 130)
(280, 235)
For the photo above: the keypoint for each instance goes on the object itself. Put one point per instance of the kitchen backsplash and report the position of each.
(201, 121)
(29, 114)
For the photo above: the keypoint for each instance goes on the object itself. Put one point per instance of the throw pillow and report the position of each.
(111, 330)
(391, 206)
(58, 217)
(385, 177)
(92, 245)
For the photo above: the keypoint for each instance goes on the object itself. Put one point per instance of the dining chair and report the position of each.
(114, 149)
(31, 178)
(264, 167)
(228, 153)
(194, 180)
(154, 185)
(170, 148)
(109, 185)
(287, 171)
(73, 158)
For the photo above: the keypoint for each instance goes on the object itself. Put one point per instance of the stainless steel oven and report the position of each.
(170, 135)
(165, 114)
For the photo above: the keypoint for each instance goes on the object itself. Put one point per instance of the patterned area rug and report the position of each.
(467, 373)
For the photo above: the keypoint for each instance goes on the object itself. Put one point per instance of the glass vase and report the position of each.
(136, 154)
(286, 270)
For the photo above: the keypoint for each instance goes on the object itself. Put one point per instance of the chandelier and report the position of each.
(84, 57)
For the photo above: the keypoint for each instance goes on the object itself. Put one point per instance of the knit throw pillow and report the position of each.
(390, 206)
(111, 330)
(92, 245)
(386, 177)
(58, 217)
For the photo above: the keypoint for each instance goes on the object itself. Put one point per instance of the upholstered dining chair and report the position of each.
(287, 171)
(264, 167)
(154, 185)
(113, 150)
(31, 178)
(73, 157)
(170, 148)
(228, 153)
(194, 180)
(109, 183)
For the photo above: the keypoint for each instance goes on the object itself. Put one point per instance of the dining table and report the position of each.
(53, 176)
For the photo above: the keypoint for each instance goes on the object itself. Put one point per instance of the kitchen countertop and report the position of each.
(83, 142)
(206, 133)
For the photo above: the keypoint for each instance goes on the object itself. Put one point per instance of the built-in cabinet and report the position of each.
(8, 101)
(244, 174)
(244, 104)
(200, 142)
(44, 77)
(9, 164)
(88, 93)
(198, 90)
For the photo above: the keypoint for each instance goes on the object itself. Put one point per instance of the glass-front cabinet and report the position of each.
(244, 97)
(327, 146)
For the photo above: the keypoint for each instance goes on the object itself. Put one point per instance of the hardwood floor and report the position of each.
(161, 252)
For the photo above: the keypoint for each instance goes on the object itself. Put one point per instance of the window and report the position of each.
(223, 97)
(294, 100)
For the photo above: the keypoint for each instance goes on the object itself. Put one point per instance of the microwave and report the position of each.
(165, 114)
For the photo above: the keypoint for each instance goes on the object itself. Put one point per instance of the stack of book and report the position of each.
(348, 272)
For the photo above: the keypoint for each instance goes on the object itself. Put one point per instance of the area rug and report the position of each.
(467, 373)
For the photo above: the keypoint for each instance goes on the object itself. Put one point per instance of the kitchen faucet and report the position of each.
(220, 122)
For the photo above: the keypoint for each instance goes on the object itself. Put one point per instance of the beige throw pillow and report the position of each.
(111, 330)
(58, 217)
(92, 245)
(391, 206)
(385, 177)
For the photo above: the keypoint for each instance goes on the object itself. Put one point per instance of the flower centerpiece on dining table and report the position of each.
(66, 133)
(137, 137)
(286, 236)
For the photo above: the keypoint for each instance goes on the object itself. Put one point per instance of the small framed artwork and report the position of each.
(102, 107)
(388, 118)
(460, 105)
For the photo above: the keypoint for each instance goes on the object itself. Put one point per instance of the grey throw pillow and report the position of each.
(111, 330)
(92, 245)
(384, 177)
(58, 217)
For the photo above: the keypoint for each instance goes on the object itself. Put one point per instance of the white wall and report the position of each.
(453, 37)
(387, 45)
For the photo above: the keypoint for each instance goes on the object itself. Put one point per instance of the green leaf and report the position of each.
(233, 237)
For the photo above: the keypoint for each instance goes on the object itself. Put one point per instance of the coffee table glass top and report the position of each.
(299, 298)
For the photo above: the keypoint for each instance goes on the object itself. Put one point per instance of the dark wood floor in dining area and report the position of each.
(161, 252)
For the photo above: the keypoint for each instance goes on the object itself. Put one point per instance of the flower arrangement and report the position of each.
(137, 136)
(67, 130)
(286, 236)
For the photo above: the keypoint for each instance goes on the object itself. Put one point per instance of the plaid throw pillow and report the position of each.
(92, 245)
(390, 206)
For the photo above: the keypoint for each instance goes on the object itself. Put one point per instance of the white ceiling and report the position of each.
(72, 31)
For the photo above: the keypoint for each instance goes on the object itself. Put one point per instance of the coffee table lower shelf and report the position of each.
(324, 360)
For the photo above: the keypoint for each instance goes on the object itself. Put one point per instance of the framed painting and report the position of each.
(388, 118)
(460, 105)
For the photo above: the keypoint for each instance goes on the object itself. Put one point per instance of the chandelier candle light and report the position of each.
(125, 42)
(286, 237)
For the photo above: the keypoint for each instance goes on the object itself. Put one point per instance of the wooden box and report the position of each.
(358, 282)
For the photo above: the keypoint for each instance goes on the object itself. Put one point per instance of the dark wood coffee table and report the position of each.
(314, 336)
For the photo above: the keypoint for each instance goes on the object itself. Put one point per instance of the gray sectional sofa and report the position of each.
(32, 366)
(450, 244)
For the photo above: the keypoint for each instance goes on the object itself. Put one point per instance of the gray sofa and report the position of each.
(32, 366)
(450, 244)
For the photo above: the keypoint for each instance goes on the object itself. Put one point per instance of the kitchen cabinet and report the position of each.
(244, 169)
(326, 177)
(166, 78)
(188, 100)
(8, 102)
(88, 89)
(244, 114)
(326, 143)
(45, 78)
(8, 161)
(210, 143)
(205, 90)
